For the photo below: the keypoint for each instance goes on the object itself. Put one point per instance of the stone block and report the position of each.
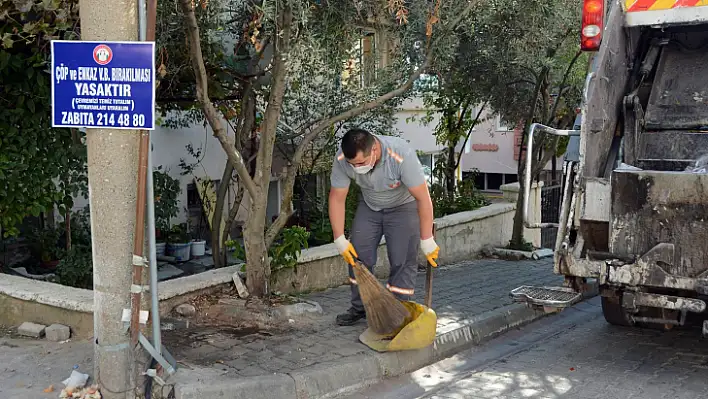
(186, 310)
(33, 330)
(57, 333)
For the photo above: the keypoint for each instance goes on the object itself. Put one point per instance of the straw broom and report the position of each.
(385, 314)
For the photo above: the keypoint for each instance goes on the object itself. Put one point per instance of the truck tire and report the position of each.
(614, 312)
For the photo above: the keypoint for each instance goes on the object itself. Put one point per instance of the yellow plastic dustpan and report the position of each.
(417, 334)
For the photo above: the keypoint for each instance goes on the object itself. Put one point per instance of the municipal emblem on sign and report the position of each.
(102, 54)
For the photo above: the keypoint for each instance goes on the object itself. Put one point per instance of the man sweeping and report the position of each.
(395, 203)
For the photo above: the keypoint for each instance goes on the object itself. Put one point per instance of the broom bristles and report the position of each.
(385, 314)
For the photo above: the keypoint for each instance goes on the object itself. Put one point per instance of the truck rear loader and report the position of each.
(634, 213)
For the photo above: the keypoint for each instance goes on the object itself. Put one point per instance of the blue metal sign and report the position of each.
(103, 84)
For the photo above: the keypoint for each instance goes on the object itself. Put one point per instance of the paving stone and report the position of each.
(33, 330)
(253, 371)
(459, 292)
(239, 364)
(57, 333)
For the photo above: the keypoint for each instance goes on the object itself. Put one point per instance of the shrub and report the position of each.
(76, 268)
(466, 198)
(167, 192)
(285, 250)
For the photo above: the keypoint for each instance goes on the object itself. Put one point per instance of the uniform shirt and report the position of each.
(385, 186)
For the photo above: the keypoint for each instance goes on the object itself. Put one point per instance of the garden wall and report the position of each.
(461, 236)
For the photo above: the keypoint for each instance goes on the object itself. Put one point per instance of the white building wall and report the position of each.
(170, 146)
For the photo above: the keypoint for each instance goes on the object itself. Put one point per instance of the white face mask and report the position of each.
(364, 169)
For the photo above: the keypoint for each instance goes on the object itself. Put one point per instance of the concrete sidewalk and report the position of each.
(471, 300)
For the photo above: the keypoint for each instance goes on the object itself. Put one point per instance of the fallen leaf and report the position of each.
(49, 389)
(572, 369)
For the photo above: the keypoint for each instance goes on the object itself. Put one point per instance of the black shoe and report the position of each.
(351, 317)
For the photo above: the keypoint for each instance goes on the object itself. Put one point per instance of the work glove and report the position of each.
(431, 250)
(346, 249)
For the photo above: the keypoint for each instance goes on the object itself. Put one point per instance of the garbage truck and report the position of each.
(634, 213)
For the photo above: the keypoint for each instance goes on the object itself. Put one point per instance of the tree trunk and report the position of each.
(517, 234)
(230, 220)
(67, 223)
(257, 261)
(216, 248)
(450, 166)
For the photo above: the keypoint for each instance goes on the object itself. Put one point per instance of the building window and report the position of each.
(480, 181)
(510, 178)
(360, 68)
(494, 181)
(501, 126)
(428, 163)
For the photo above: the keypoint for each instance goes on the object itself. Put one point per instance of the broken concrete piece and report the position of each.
(298, 310)
(240, 286)
(33, 330)
(57, 333)
(186, 310)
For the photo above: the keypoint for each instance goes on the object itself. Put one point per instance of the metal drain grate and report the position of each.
(559, 297)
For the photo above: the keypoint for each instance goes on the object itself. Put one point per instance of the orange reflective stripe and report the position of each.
(351, 280)
(651, 5)
(685, 3)
(402, 291)
(663, 4)
(395, 156)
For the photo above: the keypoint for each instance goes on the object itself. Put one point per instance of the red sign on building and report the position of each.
(485, 147)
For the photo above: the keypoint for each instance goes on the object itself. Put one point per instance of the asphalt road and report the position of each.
(575, 354)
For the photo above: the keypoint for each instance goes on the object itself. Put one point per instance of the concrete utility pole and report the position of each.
(112, 174)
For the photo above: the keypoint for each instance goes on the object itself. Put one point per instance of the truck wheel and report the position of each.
(614, 312)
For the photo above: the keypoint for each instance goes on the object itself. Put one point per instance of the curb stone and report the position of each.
(205, 383)
(330, 379)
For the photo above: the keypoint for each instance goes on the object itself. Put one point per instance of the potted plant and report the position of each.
(46, 247)
(180, 245)
(167, 191)
(199, 243)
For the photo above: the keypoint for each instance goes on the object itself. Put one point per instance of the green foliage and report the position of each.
(320, 227)
(465, 198)
(80, 227)
(176, 89)
(46, 244)
(523, 246)
(179, 234)
(76, 268)
(285, 250)
(167, 192)
(33, 155)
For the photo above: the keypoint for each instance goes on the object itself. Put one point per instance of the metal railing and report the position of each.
(528, 171)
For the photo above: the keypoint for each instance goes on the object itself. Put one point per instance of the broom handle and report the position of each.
(429, 280)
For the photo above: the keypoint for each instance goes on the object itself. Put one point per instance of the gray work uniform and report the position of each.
(386, 208)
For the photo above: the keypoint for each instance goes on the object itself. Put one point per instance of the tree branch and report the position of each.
(210, 112)
(561, 88)
(285, 212)
(264, 161)
(233, 212)
(469, 132)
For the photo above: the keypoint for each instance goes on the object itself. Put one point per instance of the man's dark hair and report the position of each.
(356, 140)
